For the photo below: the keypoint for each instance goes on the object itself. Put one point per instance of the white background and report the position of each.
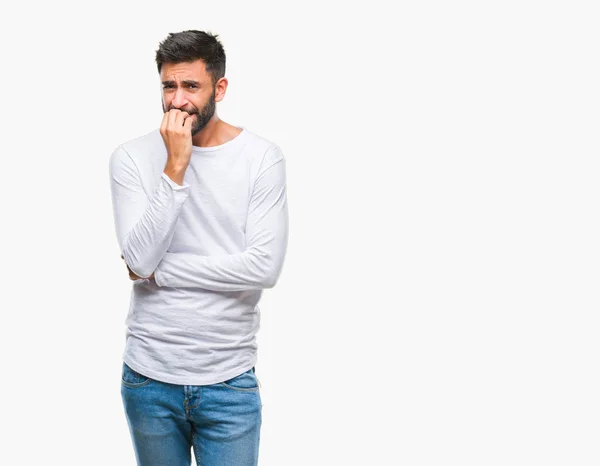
(439, 299)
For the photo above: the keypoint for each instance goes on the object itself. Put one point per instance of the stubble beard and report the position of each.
(203, 116)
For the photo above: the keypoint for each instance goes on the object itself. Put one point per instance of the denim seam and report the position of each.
(198, 402)
(135, 385)
(137, 377)
(247, 389)
(196, 447)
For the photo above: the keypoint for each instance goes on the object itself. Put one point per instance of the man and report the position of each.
(201, 218)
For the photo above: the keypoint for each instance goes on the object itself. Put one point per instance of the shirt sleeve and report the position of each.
(144, 224)
(259, 265)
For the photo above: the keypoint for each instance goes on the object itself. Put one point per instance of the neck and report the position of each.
(211, 134)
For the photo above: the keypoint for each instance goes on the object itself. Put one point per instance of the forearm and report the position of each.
(144, 223)
(148, 240)
(249, 270)
(175, 172)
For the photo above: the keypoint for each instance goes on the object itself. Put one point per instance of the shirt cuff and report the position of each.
(174, 185)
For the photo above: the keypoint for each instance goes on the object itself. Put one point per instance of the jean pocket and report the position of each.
(246, 381)
(133, 379)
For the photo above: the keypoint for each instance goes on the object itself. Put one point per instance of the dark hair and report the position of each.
(191, 45)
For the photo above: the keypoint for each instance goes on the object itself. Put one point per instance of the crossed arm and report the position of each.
(146, 229)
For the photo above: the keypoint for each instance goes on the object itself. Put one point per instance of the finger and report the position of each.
(173, 113)
(181, 118)
(170, 117)
(164, 123)
(187, 124)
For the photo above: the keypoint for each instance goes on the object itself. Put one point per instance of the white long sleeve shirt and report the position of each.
(213, 243)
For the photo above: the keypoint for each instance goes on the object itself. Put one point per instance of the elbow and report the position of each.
(271, 278)
(141, 270)
(266, 269)
(269, 282)
(144, 273)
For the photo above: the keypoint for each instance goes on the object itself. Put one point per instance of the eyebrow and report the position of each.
(185, 81)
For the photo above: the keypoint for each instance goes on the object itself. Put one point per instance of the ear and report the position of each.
(221, 89)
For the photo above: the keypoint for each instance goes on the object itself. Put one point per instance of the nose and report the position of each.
(180, 99)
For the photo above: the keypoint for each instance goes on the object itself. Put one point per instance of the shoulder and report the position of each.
(142, 146)
(266, 151)
(144, 143)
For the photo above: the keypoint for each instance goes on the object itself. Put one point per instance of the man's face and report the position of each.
(186, 86)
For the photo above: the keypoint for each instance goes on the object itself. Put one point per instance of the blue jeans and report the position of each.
(220, 422)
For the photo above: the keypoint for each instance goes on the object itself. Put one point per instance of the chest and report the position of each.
(213, 218)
